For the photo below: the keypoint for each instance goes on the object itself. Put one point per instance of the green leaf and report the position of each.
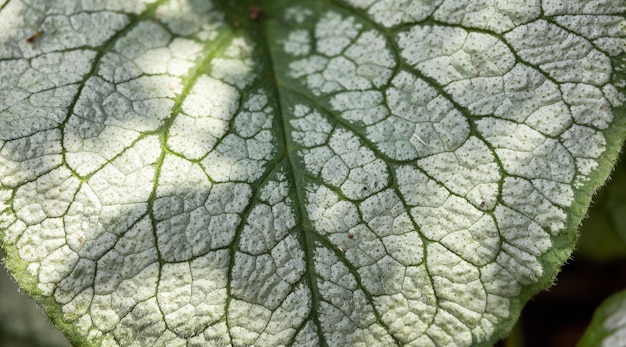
(603, 234)
(22, 322)
(301, 172)
(616, 200)
(607, 327)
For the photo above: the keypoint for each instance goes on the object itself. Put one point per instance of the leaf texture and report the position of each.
(302, 173)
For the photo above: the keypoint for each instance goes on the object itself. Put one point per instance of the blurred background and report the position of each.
(554, 318)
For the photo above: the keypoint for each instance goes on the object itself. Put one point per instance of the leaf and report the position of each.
(603, 234)
(607, 327)
(22, 323)
(303, 172)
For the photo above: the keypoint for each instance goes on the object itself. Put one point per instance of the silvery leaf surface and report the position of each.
(302, 173)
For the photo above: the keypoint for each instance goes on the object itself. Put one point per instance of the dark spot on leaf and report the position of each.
(255, 12)
(35, 36)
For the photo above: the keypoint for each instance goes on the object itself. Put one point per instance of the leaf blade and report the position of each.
(378, 180)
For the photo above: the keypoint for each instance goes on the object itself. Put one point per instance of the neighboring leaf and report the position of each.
(608, 326)
(301, 173)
